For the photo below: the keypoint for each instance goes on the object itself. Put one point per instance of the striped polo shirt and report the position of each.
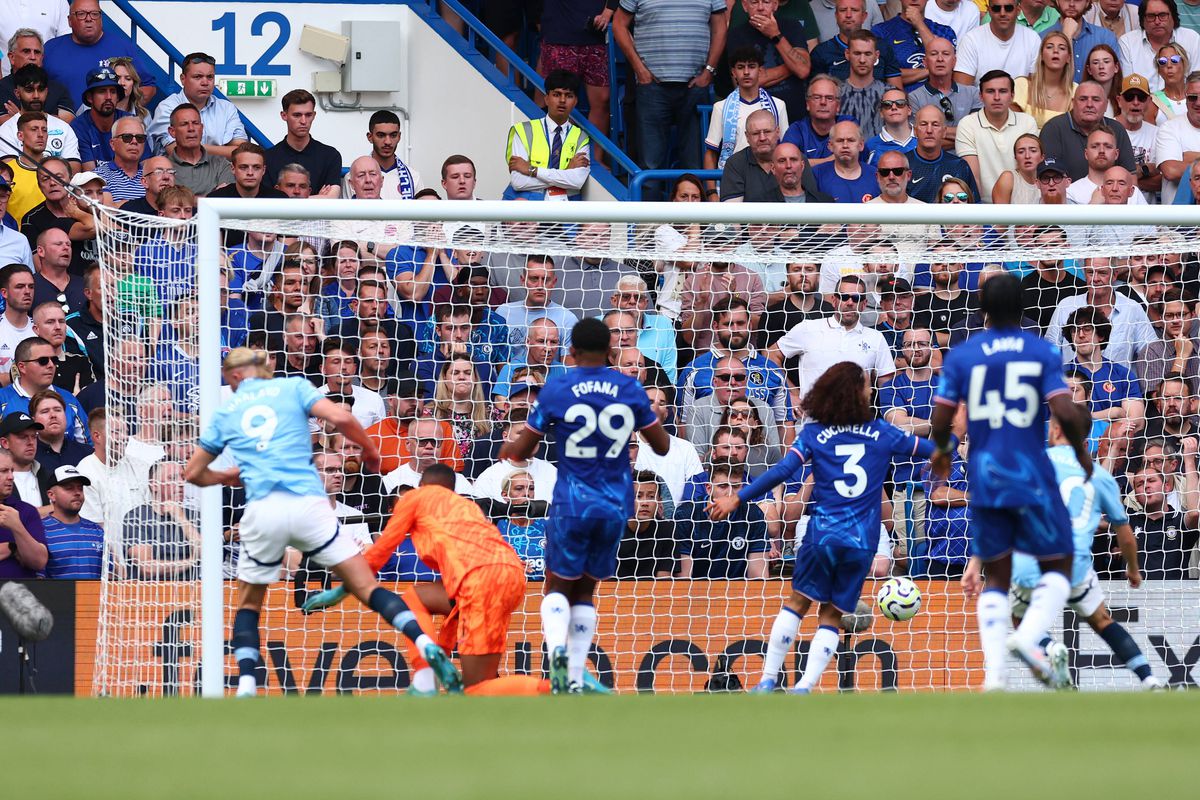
(76, 550)
(672, 36)
(118, 184)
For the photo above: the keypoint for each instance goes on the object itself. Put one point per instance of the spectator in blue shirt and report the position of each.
(907, 402)
(931, 162)
(525, 535)
(76, 545)
(829, 57)
(946, 518)
(35, 361)
(1083, 34)
(93, 128)
(847, 179)
(907, 35)
(69, 57)
(811, 134)
(1116, 394)
(735, 547)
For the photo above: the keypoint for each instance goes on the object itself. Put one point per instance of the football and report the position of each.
(899, 599)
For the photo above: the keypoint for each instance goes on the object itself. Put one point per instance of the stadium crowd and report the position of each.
(440, 352)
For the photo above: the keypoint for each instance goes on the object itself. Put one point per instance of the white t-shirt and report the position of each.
(821, 343)
(404, 475)
(368, 406)
(491, 480)
(981, 51)
(61, 140)
(28, 488)
(1175, 137)
(1079, 193)
(1142, 141)
(681, 462)
(1138, 55)
(963, 18)
(10, 337)
(716, 122)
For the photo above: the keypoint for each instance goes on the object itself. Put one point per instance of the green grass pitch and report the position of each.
(924, 746)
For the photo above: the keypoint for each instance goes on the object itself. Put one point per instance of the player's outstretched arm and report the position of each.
(1072, 422)
(657, 437)
(940, 423)
(198, 473)
(523, 447)
(789, 465)
(1129, 551)
(341, 418)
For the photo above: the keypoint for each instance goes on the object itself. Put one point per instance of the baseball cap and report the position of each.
(891, 285)
(1049, 165)
(84, 178)
(99, 78)
(1136, 83)
(525, 384)
(67, 473)
(5, 185)
(18, 421)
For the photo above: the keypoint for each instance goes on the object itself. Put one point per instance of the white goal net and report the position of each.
(437, 328)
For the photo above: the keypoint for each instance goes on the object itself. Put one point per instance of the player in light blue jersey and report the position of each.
(594, 410)
(265, 428)
(1086, 501)
(1003, 374)
(850, 452)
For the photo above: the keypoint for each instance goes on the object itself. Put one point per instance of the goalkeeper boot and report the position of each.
(592, 685)
(558, 671)
(1032, 657)
(247, 687)
(765, 686)
(1058, 656)
(443, 669)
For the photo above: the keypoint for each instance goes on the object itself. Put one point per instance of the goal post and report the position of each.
(645, 233)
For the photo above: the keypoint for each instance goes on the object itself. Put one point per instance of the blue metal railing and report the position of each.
(476, 31)
(140, 25)
(637, 185)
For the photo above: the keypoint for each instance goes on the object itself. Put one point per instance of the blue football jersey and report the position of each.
(265, 426)
(849, 465)
(1086, 501)
(594, 411)
(1005, 377)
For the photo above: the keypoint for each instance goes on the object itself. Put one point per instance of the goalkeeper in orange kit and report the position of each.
(482, 583)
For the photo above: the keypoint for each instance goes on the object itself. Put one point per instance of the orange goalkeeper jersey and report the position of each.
(450, 534)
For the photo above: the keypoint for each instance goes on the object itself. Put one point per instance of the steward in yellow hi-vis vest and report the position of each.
(550, 158)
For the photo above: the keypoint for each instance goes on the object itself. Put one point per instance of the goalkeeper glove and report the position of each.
(325, 599)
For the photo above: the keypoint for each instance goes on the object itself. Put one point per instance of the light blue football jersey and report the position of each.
(1086, 501)
(265, 427)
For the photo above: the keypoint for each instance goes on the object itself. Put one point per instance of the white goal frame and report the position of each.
(212, 211)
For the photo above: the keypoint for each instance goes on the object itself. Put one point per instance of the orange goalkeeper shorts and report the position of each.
(486, 599)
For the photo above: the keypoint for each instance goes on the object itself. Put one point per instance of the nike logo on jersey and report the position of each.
(918, 180)
(839, 63)
(897, 41)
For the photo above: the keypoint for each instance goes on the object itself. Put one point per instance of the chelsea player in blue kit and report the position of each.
(593, 410)
(1003, 374)
(1086, 501)
(850, 452)
(265, 427)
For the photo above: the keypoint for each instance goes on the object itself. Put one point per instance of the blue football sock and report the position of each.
(389, 606)
(1126, 649)
(245, 641)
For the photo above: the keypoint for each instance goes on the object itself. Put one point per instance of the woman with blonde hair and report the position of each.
(1103, 66)
(1048, 91)
(131, 82)
(458, 398)
(1173, 67)
(1020, 185)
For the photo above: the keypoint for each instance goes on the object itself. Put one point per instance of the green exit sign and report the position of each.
(247, 88)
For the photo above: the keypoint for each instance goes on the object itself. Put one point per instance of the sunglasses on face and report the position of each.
(892, 171)
(1164, 60)
(726, 377)
(950, 197)
(1007, 8)
(42, 361)
(1134, 97)
(890, 104)
(1193, 98)
(130, 138)
(853, 297)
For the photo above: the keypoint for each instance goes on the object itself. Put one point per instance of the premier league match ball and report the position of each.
(899, 599)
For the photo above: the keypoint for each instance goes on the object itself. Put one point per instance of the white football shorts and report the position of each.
(1086, 596)
(281, 520)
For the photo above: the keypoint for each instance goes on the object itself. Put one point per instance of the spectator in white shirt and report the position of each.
(1159, 26)
(1177, 145)
(1131, 328)
(1001, 44)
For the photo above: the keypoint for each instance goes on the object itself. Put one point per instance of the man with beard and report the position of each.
(1101, 155)
(1177, 352)
(945, 309)
(30, 87)
(94, 127)
(60, 210)
(25, 47)
(907, 403)
(1052, 182)
(1065, 137)
(801, 300)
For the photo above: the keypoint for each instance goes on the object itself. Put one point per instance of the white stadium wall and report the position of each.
(450, 107)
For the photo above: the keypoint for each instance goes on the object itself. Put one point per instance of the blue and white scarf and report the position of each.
(729, 121)
(407, 187)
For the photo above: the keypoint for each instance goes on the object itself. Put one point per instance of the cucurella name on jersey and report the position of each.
(828, 433)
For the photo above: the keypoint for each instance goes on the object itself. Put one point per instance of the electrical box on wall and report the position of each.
(376, 61)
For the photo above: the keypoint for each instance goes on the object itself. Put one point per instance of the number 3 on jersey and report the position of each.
(995, 409)
(853, 454)
(618, 433)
